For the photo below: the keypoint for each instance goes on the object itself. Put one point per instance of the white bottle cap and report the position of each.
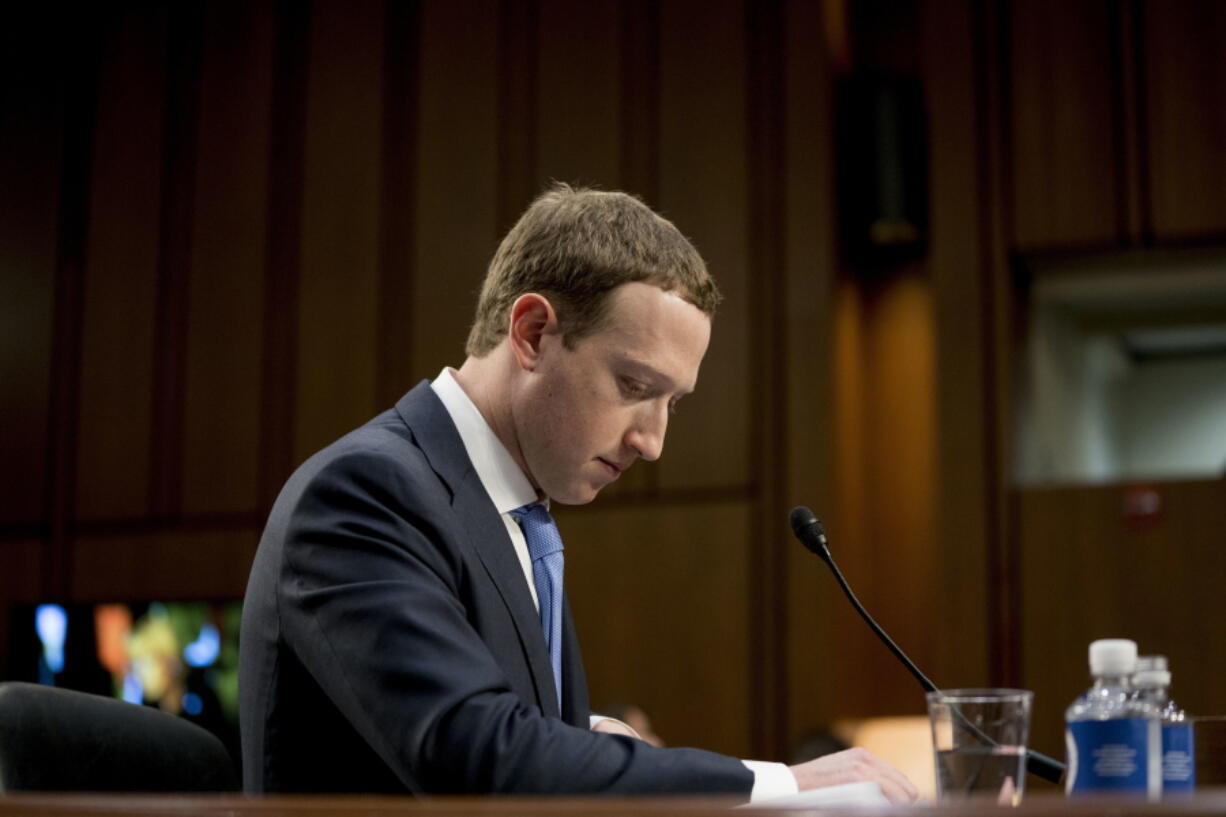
(1113, 656)
(1151, 662)
(1151, 678)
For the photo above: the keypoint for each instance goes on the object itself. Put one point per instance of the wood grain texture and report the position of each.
(1064, 148)
(163, 562)
(457, 185)
(960, 593)
(221, 421)
(116, 398)
(338, 295)
(31, 152)
(397, 213)
(1185, 82)
(809, 251)
(578, 94)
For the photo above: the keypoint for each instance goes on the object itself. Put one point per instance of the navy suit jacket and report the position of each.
(390, 642)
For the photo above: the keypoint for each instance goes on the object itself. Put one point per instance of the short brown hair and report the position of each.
(575, 246)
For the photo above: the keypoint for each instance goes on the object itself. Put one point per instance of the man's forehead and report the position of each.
(658, 333)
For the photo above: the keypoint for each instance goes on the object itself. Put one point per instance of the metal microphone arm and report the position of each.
(811, 534)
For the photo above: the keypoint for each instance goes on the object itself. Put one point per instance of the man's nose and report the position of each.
(646, 436)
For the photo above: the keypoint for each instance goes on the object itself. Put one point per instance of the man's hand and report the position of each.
(615, 727)
(855, 766)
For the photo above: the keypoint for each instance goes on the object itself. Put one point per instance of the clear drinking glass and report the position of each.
(979, 743)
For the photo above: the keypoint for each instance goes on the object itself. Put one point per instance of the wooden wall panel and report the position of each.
(162, 563)
(1185, 82)
(813, 643)
(703, 189)
(31, 145)
(959, 591)
(338, 298)
(397, 214)
(24, 561)
(882, 530)
(1066, 191)
(115, 411)
(221, 434)
(1087, 573)
(579, 89)
(456, 196)
(659, 597)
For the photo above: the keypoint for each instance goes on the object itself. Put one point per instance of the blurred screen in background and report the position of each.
(181, 657)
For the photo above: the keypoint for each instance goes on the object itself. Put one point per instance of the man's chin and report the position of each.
(576, 495)
(573, 500)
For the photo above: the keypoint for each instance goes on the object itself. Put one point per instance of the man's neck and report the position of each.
(486, 381)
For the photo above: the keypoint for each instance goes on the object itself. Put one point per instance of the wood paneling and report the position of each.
(221, 410)
(882, 528)
(31, 149)
(457, 184)
(640, 100)
(579, 90)
(682, 657)
(765, 173)
(959, 591)
(338, 298)
(180, 129)
(1185, 83)
(809, 260)
(703, 189)
(24, 562)
(397, 213)
(1064, 150)
(1088, 573)
(518, 58)
(116, 402)
(163, 562)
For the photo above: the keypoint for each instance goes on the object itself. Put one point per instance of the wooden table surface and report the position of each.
(133, 805)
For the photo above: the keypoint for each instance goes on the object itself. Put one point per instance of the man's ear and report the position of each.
(532, 319)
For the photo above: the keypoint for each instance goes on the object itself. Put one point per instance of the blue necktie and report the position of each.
(545, 548)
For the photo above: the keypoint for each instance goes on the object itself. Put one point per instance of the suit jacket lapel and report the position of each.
(436, 434)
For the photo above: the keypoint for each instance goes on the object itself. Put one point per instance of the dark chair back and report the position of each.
(59, 740)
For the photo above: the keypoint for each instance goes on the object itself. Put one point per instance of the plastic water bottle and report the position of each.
(1112, 737)
(1152, 682)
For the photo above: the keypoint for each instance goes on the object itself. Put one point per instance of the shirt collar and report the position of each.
(500, 475)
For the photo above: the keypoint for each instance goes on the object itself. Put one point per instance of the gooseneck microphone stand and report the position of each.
(811, 534)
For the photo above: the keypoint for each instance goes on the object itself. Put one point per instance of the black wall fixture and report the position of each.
(882, 166)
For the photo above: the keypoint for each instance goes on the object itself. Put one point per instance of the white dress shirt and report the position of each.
(509, 489)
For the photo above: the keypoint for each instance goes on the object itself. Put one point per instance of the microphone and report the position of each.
(808, 529)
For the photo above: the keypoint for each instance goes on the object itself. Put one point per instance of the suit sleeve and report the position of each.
(370, 597)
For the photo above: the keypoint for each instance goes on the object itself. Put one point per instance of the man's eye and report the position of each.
(632, 388)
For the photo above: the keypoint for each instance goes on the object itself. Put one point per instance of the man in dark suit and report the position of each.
(405, 627)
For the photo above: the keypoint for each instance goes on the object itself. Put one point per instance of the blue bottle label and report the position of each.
(1178, 758)
(1108, 756)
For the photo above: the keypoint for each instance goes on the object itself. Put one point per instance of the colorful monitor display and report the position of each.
(181, 657)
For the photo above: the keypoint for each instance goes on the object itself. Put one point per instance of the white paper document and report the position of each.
(867, 793)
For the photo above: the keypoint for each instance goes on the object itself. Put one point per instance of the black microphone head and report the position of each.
(808, 529)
